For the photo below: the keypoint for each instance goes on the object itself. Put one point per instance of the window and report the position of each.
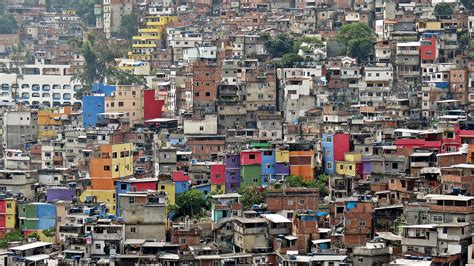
(116, 168)
(131, 200)
(251, 156)
(201, 128)
(362, 223)
(290, 202)
(183, 240)
(394, 165)
(133, 229)
(301, 202)
(329, 165)
(459, 219)
(445, 230)
(106, 168)
(360, 259)
(438, 218)
(424, 217)
(218, 176)
(97, 246)
(120, 104)
(9, 205)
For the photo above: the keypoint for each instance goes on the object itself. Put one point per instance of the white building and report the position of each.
(47, 85)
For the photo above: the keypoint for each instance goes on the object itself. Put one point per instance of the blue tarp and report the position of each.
(320, 213)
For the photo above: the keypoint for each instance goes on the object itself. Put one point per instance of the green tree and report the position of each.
(299, 181)
(288, 60)
(8, 24)
(84, 8)
(129, 26)
(358, 39)
(313, 41)
(99, 56)
(278, 45)
(51, 232)
(251, 196)
(322, 184)
(34, 235)
(13, 236)
(443, 10)
(190, 203)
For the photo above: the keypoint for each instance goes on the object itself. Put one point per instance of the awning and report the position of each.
(320, 241)
(38, 257)
(291, 237)
(421, 154)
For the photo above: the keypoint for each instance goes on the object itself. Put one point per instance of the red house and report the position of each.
(341, 146)
(429, 49)
(250, 157)
(152, 107)
(218, 174)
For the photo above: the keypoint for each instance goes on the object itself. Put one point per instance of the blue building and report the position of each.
(268, 167)
(181, 181)
(95, 104)
(334, 148)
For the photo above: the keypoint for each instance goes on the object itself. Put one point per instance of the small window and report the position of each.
(97, 246)
(106, 168)
(251, 156)
(133, 229)
(120, 104)
(131, 200)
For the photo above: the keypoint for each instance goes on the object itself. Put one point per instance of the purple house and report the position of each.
(282, 170)
(232, 173)
(60, 193)
(366, 166)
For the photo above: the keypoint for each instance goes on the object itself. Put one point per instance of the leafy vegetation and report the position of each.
(8, 24)
(13, 236)
(358, 39)
(51, 232)
(278, 45)
(190, 203)
(83, 8)
(443, 10)
(251, 196)
(129, 26)
(321, 183)
(99, 56)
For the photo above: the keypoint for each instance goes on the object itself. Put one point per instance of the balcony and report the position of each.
(107, 236)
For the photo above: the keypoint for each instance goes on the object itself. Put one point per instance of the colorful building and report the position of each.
(218, 178)
(111, 162)
(134, 185)
(282, 164)
(150, 38)
(36, 217)
(351, 166)
(232, 173)
(334, 148)
(7, 215)
(302, 164)
(251, 168)
(268, 167)
(181, 181)
(95, 104)
(170, 188)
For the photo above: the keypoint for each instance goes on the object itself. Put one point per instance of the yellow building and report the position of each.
(351, 166)
(169, 188)
(150, 37)
(8, 221)
(282, 156)
(218, 189)
(104, 196)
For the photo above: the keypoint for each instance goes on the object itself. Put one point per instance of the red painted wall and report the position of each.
(143, 186)
(428, 52)
(245, 157)
(341, 146)
(218, 169)
(152, 108)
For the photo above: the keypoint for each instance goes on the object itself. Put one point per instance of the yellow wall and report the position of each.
(10, 213)
(282, 156)
(214, 188)
(352, 157)
(169, 188)
(103, 196)
(125, 164)
(346, 168)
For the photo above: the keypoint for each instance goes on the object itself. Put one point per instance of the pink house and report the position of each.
(218, 174)
(250, 157)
